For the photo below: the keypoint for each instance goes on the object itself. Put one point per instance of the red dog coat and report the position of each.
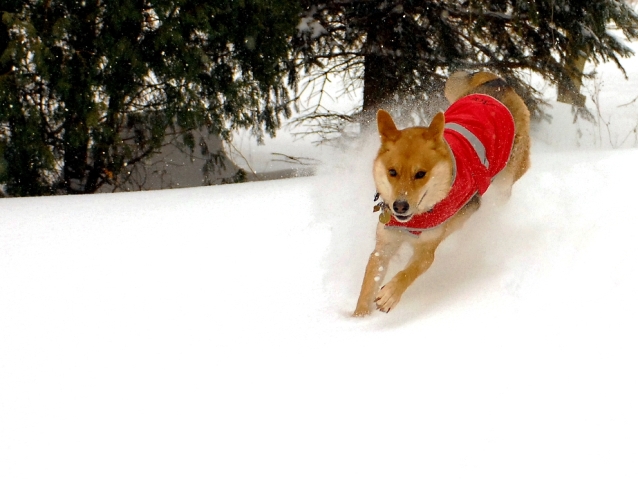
(480, 133)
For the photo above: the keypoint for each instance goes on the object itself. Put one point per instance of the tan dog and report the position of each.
(430, 179)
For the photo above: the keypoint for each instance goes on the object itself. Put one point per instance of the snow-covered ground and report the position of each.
(206, 332)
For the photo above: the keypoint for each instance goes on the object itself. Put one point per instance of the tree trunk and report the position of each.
(571, 93)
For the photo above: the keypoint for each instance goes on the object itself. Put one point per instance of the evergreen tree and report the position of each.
(90, 86)
(404, 49)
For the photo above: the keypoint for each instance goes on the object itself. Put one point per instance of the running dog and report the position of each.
(430, 179)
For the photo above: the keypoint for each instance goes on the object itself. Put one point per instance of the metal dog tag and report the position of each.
(385, 216)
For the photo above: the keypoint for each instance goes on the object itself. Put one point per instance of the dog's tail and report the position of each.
(462, 83)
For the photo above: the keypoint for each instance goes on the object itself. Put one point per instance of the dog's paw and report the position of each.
(361, 312)
(389, 296)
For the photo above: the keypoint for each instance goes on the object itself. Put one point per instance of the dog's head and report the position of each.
(414, 168)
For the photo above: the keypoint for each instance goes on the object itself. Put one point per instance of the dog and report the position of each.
(430, 179)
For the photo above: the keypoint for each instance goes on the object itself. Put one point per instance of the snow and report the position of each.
(206, 332)
(309, 24)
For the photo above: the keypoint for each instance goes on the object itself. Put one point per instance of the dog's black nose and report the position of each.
(400, 206)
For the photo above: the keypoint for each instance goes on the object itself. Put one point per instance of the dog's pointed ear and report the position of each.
(387, 129)
(437, 126)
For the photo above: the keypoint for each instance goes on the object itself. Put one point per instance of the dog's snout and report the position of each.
(400, 206)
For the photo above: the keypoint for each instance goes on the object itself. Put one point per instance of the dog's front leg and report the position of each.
(391, 292)
(386, 246)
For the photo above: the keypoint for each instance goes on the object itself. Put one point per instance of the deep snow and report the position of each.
(205, 332)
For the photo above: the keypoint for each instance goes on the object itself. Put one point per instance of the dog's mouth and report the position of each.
(402, 218)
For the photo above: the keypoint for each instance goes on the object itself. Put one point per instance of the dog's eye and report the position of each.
(392, 172)
(419, 174)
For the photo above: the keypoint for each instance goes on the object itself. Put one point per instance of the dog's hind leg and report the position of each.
(516, 167)
(519, 161)
(521, 151)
